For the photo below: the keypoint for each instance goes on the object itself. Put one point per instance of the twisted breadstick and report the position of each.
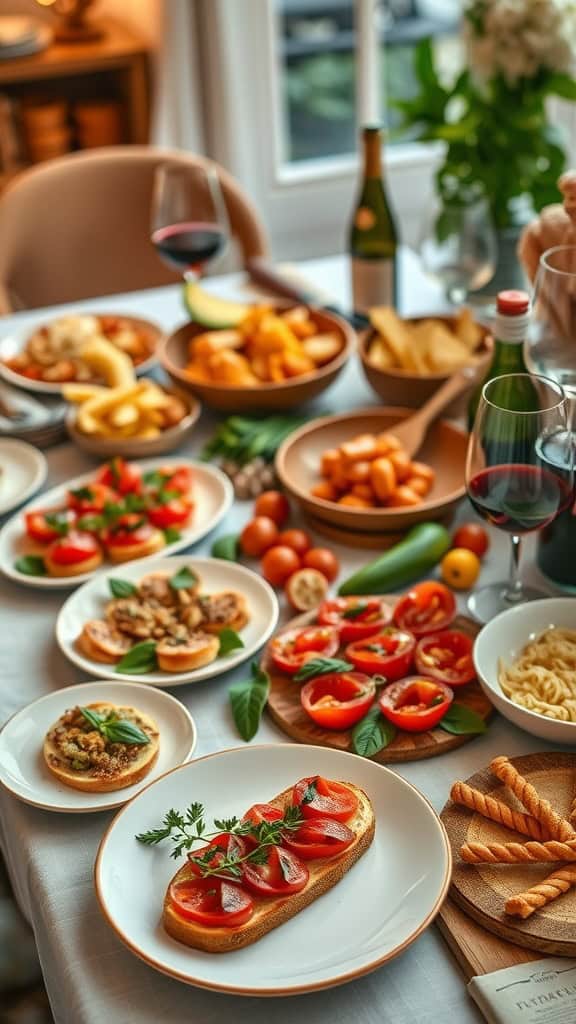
(557, 827)
(572, 815)
(553, 886)
(489, 807)
(517, 853)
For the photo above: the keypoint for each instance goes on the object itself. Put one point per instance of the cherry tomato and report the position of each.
(415, 704)
(388, 653)
(473, 537)
(446, 656)
(124, 477)
(298, 540)
(281, 874)
(174, 513)
(178, 479)
(292, 649)
(226, 846)
(339, 699)
(324, 561)
(130, 529)
(46, 526)
(319, 837)
(318, 797)
(262, 812)
(305, 589)
(355, 617)
(274, 505)
(75, 547)
(258, 535)
(278, 564)
(460, 568)
(425, 608)
(211, 902)
(91, 498)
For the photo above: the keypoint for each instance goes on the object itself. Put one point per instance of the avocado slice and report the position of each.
(210, 311)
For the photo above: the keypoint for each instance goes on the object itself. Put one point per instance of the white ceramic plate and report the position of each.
(23, 471)
(380, 906)
(503, 638)
(22, 768)
(215, 574)
(212, 492)
(12, 344)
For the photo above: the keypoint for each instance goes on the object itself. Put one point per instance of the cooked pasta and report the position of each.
(543, 677)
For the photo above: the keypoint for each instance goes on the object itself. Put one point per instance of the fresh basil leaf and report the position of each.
(164, 497)
(229, 641)
(183, 579)
(171, 534)
(226, 547)
(112, 511)
(248, 700)
(121, 588)
(321, 667)
(355, 611)
(123, 731)
(93, 718)
(134, 503)
(31, 565)
(59, 521)
(83, 493)
(310, 792)
(462, 721)
(91, 523)
(153, 478)
(372, 733)
(140, 659)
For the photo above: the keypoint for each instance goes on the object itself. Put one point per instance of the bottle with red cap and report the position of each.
(510, 327)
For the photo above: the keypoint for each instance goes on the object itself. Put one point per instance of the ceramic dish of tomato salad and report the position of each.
(116, 513)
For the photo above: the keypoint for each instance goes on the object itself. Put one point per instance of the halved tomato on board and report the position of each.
(292, 649)
(46, 526)
(281, 874)
(415, 704)
(446, 656)
(318, 797)
(212, 902)
(339, 699)
(388, 653)
(319, 837)
(425, 608)
(355, 617)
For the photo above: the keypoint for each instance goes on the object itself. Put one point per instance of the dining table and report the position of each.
(90, 976)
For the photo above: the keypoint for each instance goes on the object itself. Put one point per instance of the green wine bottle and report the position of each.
(373, 241)
(512, 316)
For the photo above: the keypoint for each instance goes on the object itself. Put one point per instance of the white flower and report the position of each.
(519, 38)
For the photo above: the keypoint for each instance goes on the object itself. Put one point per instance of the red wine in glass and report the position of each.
(518, 498)
(189, 218)
(190, 245)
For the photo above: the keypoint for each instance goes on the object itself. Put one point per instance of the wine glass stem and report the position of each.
(514, 590)
(456, 294)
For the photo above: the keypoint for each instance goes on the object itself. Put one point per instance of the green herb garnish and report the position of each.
(248, 700)
(355, 611)
(229, 641)
(183, 579)
(121, 588)
(171, 534)
(59, 521)
(31, 565)
(83, 493)
(140, 659)
(462, 721)
(115, 729)
(321, 667)
(372, 733)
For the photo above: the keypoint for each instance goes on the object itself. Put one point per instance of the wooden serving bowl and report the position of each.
(173, 356)
(403, 387)
(298, 469)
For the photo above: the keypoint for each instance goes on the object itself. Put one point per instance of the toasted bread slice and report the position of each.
(176, 655)
(269, 913)
(128, 552)
(225, 610)
(73, 568)
(109, 766)
(100, 642)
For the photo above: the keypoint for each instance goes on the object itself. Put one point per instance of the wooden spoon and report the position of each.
(412, 431)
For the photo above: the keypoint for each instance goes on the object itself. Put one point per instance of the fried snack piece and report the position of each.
(518, 853)
(553, 886)
(489, 807)
(557, 827)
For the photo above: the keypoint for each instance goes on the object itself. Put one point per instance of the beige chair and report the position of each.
(79, 226)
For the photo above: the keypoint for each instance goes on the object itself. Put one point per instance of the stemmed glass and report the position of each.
(189, 219)
(458, 247)
(519, 471)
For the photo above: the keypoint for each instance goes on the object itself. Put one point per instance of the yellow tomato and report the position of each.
(460, 568)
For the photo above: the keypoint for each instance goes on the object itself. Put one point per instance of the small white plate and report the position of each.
(211, 490)
(215, 574)
(378, 909)
(23, 471)
(22, 768)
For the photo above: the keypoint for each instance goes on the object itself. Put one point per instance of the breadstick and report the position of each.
(553, 886)
(489, 807)
(517, 853)
(572, 815)
(557, 827)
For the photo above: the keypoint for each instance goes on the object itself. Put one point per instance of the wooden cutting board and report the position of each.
(477, 950)
(285, 708)
(481, 890)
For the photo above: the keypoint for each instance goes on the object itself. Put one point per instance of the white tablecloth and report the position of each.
(90, 977)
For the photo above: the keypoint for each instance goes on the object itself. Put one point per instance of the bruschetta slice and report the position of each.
(224, 610)
(100, 642)
(184, 653)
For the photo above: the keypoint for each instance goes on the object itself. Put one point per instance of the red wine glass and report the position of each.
(189, 219)
(519, 471)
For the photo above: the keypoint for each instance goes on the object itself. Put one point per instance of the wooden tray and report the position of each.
(372, 541)
(285, 708)
(476, 950)
(481, 890)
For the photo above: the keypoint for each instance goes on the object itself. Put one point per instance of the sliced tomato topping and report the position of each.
(292, 649)
(339, 699)
(355, 617)
(226, 846)
(388, 653)
(75, 547)
(130, 529)
(123, 477)
(446, 656)
(91, 498)
(281, 874)
(175, 512)
(168, 478)
(212, 902)
(319, 837)
(262, 812)
(415, 704)
(425, 608)
(44, 526)
(318, 797)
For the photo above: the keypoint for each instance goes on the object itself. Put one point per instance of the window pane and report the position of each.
(317, 66)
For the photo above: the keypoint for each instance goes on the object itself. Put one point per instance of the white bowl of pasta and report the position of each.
(525, 660)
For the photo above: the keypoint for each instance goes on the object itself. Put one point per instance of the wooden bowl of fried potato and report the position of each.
(271, 366)
(406, 361)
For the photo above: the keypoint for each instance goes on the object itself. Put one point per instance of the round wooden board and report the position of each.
(285, 708)
(481, 890)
